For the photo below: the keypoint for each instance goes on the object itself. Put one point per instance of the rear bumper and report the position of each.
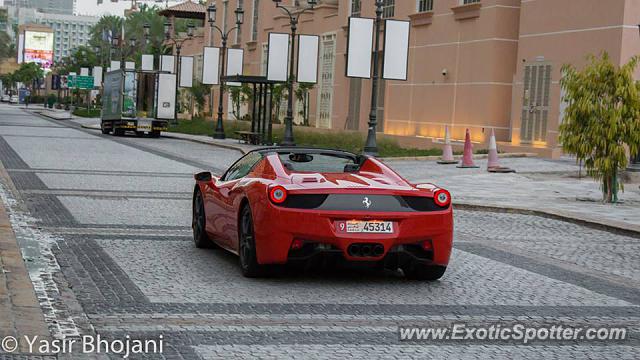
(276, 229)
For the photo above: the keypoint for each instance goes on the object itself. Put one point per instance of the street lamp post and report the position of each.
(219, 132)
(371, 146)
(293, 21)
(178, 44)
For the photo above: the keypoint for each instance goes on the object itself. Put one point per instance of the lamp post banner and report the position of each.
(278, 57)
(147, 62)
(396, 50)
(186, 71)
(308, 49)
(235, 58)
(211, 66)
(360, 47)
(167, 63)
(115, 65)
(97, 76)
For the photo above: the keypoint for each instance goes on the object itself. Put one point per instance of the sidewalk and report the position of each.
(20, 312)
(541, 186)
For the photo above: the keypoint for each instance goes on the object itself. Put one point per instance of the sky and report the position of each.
(90, 7)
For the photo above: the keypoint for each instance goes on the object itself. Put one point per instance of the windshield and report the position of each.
(321, 163)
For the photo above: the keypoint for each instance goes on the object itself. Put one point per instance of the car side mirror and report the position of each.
(203, 176)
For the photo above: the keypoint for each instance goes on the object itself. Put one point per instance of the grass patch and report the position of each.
(349, 141)
(88, 113)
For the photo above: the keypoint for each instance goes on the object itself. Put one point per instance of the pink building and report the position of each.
(473, 64)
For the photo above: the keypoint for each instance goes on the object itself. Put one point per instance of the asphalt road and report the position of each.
(103, 223)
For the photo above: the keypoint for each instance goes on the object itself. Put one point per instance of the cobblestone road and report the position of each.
(103, 223)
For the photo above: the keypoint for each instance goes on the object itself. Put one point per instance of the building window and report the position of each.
(325, 88)
(265, 55)
(254, 20)
(388, 8)
(225, 12)
(465, 2)
(355, 8)
(425, 5)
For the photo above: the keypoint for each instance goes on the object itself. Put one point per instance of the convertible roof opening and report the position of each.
(316, 160)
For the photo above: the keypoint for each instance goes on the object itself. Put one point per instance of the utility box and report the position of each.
(119, 107)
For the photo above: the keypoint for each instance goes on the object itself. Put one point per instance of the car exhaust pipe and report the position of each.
(366, 250)
(354, 250)
(378, 250)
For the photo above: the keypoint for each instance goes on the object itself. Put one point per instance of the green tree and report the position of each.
(9, 80)
(602, 119)
(28, 73)
(82, 56)
(240, 95)
(199, 92)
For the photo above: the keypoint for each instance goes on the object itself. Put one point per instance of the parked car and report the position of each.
(6, 98)
(14, 99)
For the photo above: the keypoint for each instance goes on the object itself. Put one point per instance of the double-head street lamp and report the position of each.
(371, 146)
(211, 10)
(117, 42)
(293, 21)
(178, 45)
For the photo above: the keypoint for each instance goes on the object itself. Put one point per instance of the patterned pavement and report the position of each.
(103, 224)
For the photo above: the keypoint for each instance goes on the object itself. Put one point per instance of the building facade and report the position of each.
(474, 64)
(48, 6)
(70, 31)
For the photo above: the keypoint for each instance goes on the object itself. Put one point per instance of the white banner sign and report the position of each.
(186, 71)
(130, 65)
(308, 48)
(167, 63)
(235, 58)
(396, 50)
(277, 58)
(211, 66)
(97, 76)
(84, 71)
(147, 62)
(360, 47)
(115, 65)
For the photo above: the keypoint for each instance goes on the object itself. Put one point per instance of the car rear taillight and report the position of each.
(442, 198)
(278, 194)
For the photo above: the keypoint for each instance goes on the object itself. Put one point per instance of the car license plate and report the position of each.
(367, 227)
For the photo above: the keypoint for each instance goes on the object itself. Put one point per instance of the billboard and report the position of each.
(38, 48)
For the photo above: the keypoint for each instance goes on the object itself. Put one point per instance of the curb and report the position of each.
(25, 315)
(610, 226)
(206, 142)
(458, 157)
(52, 117)
(164, 134)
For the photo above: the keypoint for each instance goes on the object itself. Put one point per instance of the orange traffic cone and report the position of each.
(493, 165)
(467, 157)
(447, 151)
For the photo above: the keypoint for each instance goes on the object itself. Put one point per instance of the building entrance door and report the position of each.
(535, 102)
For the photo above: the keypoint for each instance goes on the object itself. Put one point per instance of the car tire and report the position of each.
(416, 271)
(139, 133)
(199, 222)
(155, 134)
(105, 131)
(118, 132)
(247, 246)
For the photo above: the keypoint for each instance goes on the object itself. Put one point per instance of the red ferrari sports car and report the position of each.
(280, 205)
